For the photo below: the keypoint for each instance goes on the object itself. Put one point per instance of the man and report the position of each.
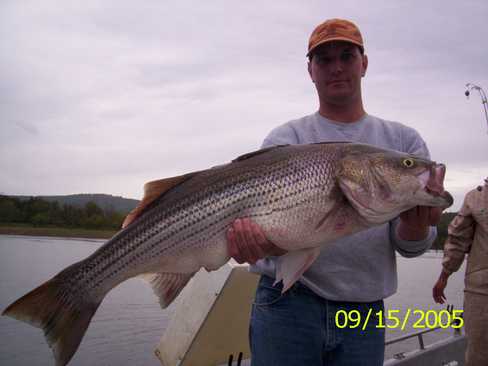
(354, 273)
(468, 233)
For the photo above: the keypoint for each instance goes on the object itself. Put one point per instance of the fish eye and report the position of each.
(408, 163)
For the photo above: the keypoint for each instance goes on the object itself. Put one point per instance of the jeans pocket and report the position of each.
(267, 295)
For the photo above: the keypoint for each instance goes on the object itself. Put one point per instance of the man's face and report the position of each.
(336, 69)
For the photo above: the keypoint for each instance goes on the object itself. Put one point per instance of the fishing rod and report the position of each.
(484, 102)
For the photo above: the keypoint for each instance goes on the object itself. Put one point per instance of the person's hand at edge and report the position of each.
(438, 289)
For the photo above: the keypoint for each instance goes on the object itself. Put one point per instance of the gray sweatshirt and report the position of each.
(360, 267)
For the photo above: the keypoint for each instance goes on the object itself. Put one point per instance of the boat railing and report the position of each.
(420, 335)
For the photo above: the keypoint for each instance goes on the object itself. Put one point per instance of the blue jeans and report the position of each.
(299, 328)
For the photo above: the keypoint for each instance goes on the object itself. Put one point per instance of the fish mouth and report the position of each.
(448, 198)
(433, 182)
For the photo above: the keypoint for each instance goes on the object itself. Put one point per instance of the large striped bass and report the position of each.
(302, 196)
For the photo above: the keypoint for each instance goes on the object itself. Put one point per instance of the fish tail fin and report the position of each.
(54, 309)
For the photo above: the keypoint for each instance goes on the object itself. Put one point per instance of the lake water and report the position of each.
(129, 323)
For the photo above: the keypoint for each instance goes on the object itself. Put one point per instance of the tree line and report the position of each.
(446, 218)
(38, 212)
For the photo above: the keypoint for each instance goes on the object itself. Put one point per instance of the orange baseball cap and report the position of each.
(335, 30)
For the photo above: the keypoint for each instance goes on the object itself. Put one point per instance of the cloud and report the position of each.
(27, 127)
(102, 96)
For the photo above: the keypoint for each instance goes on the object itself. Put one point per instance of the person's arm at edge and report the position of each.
(459, 241)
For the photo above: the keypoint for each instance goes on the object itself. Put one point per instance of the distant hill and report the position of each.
(104, 201)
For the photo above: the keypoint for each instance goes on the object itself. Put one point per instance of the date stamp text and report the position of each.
(393, 319)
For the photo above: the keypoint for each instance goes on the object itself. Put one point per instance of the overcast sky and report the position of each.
(102, 96)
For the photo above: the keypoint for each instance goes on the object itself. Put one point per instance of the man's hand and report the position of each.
(246, 242)
(414, 223)
(438, 290)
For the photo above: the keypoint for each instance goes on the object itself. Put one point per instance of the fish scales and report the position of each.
(290, 178)
(289, 182)
(225, 200)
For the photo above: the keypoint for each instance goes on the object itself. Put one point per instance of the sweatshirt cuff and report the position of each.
(412, 248)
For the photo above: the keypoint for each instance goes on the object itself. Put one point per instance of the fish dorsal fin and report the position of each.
(152, 191)
(257, 152)
(332, 142)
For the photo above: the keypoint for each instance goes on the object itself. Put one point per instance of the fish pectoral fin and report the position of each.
(292, 265)
(152, 191)
(166, 285)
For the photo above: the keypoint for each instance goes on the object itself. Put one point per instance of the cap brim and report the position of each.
(334, 39)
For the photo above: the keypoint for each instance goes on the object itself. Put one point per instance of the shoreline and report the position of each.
(57, 232)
